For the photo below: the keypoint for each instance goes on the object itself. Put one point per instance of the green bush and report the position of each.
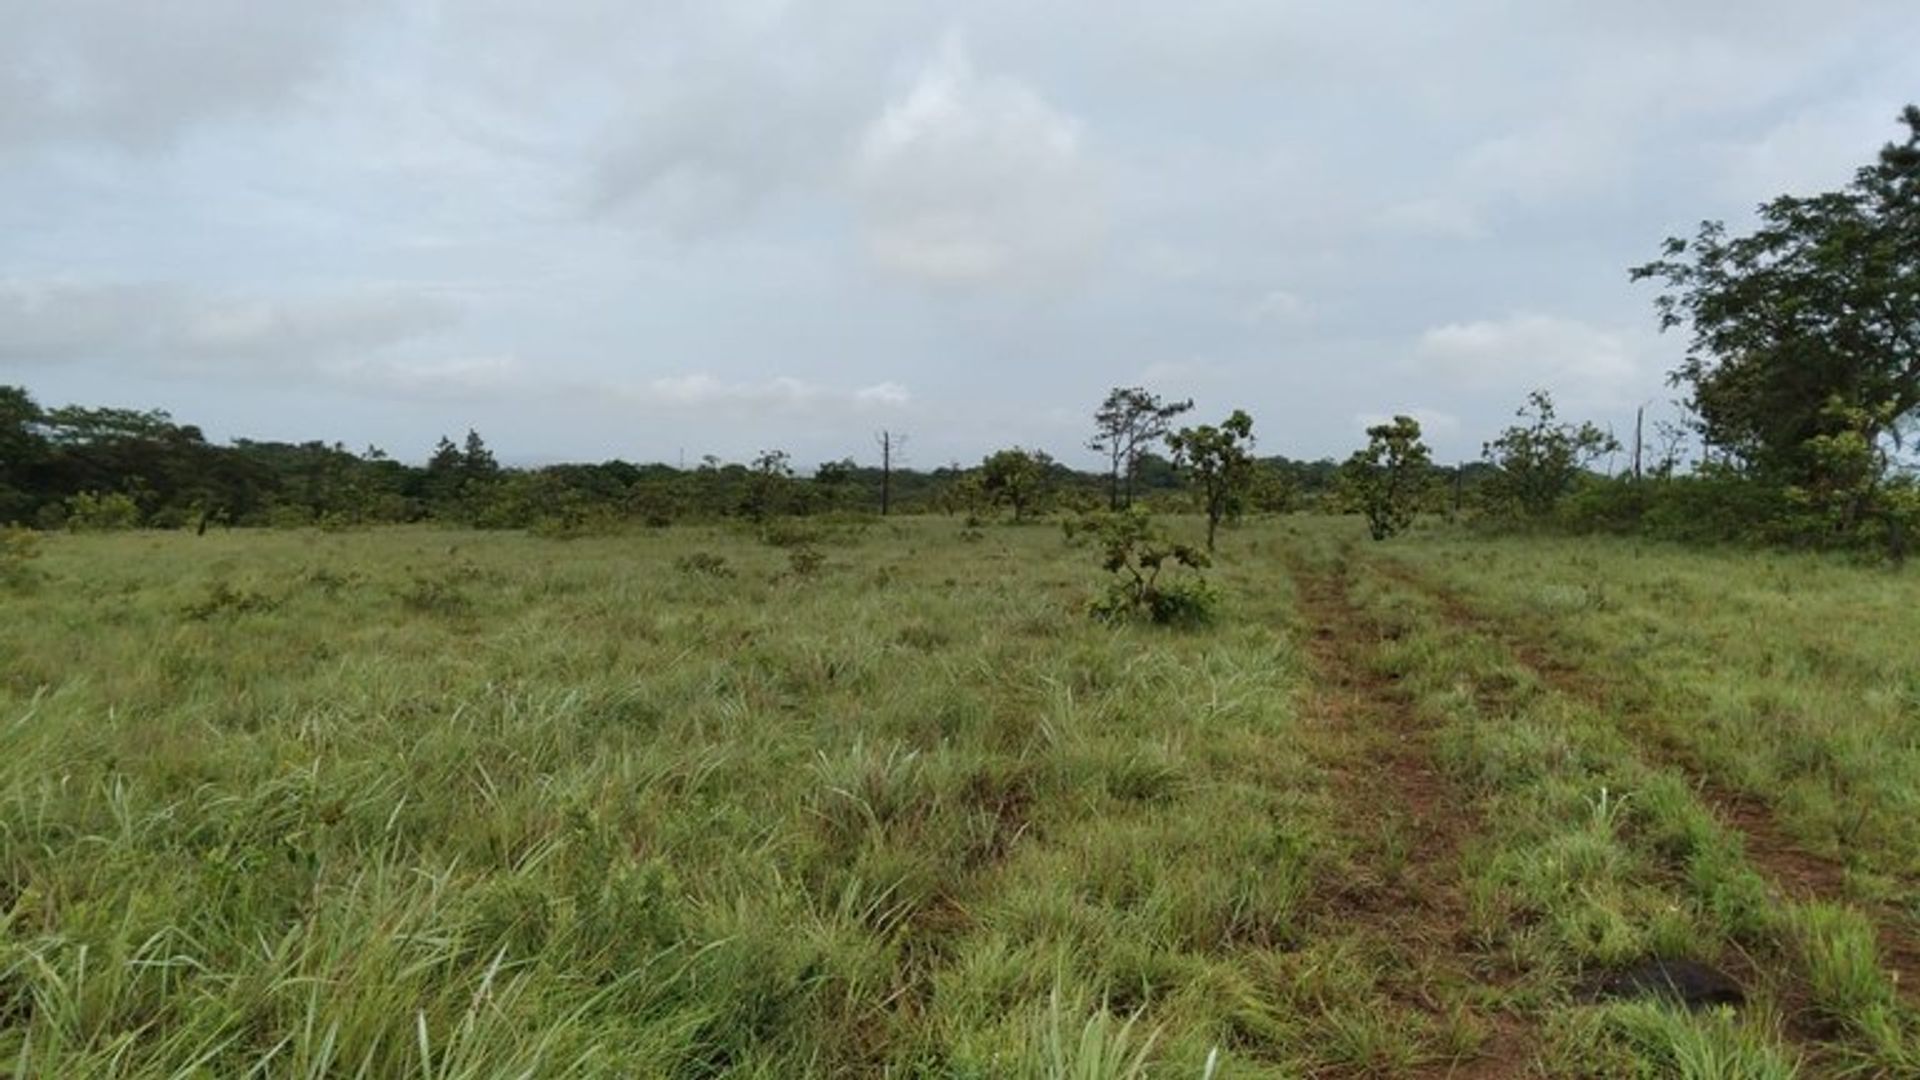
(18, 548)
(224, 599)
(806, 561)
(96, 511)
(790, 534)
(703, 564)
(1137, 554)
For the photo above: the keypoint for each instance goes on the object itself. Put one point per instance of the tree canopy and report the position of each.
(1127, 424)
(1220, 462)
(1809, 323)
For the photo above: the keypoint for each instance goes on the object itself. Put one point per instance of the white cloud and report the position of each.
(784, 394)
(1813, 150)
(679, 210)
(1432, 216)
(49, 322)
(1197, 369)
(138, 74)
(166, 327)
(974, 178)
(1276, 306)
(463, 378)
(508, 378)
(1525, 351)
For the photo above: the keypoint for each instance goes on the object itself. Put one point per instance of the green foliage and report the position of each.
(1273, 489)
(703, 564)
(1128, 424)
(1710, 506)
(97, 511)
(427, 594)
(770, 486)
(1137, 552)
(1016, 478)
(621, 823)
(1540, 462)
(806, 561)
(224, 599)
(1849, 493)
(1654, 1039)
(787, 533)
(1817, 305)
(1218, 461)
(1388, 479)
(18, 549)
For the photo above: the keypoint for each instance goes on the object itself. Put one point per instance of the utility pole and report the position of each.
(1639, 418)
(889, 443)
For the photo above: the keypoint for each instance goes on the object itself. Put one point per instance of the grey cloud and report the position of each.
(1586, 364)
(171, 328)
(972, 178)
(510, 379)
(787, 214)
(137, 74)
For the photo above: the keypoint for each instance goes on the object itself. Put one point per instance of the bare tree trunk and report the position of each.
(888, 443)
(1639, 416)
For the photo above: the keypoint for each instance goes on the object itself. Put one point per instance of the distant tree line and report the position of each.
(1802, 380)
(100, 468)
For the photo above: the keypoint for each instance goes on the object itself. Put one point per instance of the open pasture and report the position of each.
(430, 803)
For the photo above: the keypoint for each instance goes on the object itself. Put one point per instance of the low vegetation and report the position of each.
(450, 803)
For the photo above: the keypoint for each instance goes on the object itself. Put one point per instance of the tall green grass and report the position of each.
(413, 802)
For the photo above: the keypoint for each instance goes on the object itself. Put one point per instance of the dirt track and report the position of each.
(1792, 869)
(1408, 819)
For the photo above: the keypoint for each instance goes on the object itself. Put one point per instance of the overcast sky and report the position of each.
(599, 228)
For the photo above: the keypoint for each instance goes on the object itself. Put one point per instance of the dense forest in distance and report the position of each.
(82, 467)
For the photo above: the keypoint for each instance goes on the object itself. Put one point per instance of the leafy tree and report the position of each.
(22, 448)
(834, 481)
(1848, 488)
(1129, 422)
(476, 461)
(1387, 479)
(97, 511)
(1272, 489)
(444, 470)
(1538, 462)
(1818, 305)
(1016, 478)
(1217, 460)
(767, 481)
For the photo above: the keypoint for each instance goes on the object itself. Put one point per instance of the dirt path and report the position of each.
(1408, 821)
(1795, 871)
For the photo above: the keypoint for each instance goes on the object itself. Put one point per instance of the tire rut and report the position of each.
(1407, 813)
(1798, 873)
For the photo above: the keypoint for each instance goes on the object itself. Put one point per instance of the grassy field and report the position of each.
(423, 803)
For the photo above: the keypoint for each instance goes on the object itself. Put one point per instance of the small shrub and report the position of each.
(330, 581)
(95, 511)
(18, 548)
(290, 516)
(574, 523)
(703, 564)
(790, 534)
(435, 596)
(224, 599)
(806, 561)
(926, 637)
(1137, 554)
